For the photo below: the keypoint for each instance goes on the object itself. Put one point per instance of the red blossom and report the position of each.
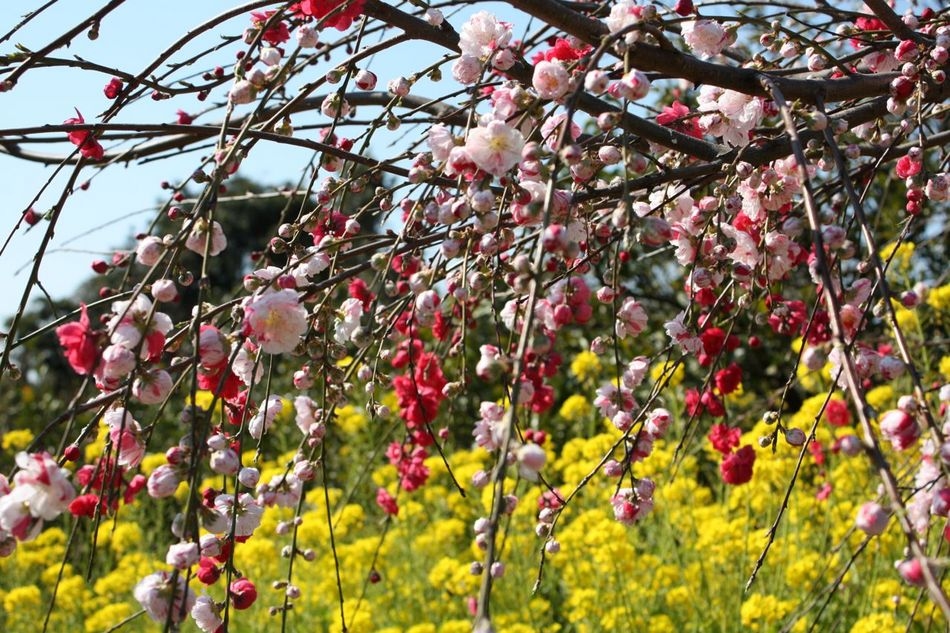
(277, 32)
(208, 573)
(84, 505)
(736, 468)
(837, 413)
(728, 379)
(724, 438)
(113, 88)
(908, 167)
(184, 118)
(684, 7)
(677, 116)
(243, 593)
(340, 19)
(79, 343)
(387, 502)
(88, 146)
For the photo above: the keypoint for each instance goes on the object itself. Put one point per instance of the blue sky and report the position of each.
(118, 200)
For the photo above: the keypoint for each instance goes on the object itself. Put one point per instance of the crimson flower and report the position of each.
(243, 593)
(88, 146)
(79, 343)
(736, 468)
(724, 438)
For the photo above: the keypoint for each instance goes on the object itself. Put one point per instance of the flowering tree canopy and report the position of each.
(512, 227)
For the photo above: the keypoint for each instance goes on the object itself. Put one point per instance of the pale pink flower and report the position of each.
(489, 430)
(872, 518)
(149, 250)
(706, 38)
(225, 462)
(680, 335)
(201, 234)
(117, 364)
(611, 400)
(633, 86)
(495, 148)
(246, 365)
(466, 70)
(625, 14)
(164, 290)
(152, 387)
(729, 114)
(182, 555)
(631, 319)
(551, 130)
(348, 321)
(243, 91)
(163, 482)
(206, 614)
(262, 421)
(213, 347)
(440, 141)
(276, 319)
(163, 599)
(307, 36)
(134, 320)
(283, 491)
(42, 492)
(531, 459)
(483, 34)
(126, 436)
(900, 429)
(551, 80)
(246, 513)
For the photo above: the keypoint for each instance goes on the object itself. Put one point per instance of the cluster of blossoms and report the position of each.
(522, 229)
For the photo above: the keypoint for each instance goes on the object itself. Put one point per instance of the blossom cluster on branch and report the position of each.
(654, 189)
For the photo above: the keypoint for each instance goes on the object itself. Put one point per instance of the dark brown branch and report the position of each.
(646, 57)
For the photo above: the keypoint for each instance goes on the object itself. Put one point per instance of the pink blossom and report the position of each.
(872, 518)
(632, 504)
(152, 387)
(489, 430)
(483, 34)
(551, 131)
(225, 462)
(206, 615)
(201, 234)
(163, 599)
(706, 38)
(41, 492)
(531, 459)
(625, 14)
(182, 555)
(163, 482)
(149, 250)
(494, 148)
(276, 319)
(247, 513)
(309, 415)
(262, 420)
(350, 312)
(133, 321)
(631, 319)
(466, 70)
(164, 290)
(126, 436)
(213, 347)
(900, 429)
(551, 80)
